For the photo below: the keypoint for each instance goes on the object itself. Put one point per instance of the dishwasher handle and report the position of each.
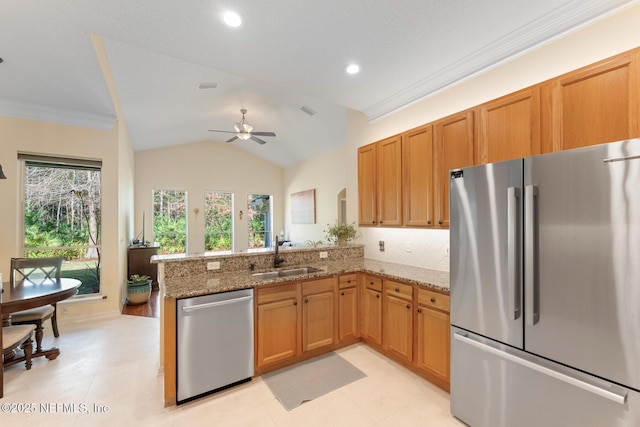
(216, 304)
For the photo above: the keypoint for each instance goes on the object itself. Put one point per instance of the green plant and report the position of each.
(136, 279)
(341, 233)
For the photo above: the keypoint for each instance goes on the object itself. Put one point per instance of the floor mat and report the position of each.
(310, 379)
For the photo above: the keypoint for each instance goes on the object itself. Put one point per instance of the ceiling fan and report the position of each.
(244, 131)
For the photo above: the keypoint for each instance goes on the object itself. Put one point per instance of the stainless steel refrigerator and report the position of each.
(545, 289)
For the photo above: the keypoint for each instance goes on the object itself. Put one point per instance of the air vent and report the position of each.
(307, 110)
(211, 85)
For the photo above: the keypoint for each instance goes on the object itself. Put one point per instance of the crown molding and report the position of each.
(551, 26)
(56, 115)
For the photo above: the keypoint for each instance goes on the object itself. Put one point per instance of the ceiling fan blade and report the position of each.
(233, 139)
(223, 131)
(264, 133)
(258, 140)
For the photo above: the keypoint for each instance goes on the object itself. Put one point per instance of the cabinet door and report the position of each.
(454, 137)
(417, 169)
(367, 159)
(372, 316)
(596, 104)
(318, 316)
(348, 317)
(433, 342)
(277, 331)
(398, 327)
(509, 127)
(390, 181)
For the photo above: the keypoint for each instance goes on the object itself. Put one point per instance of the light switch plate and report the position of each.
(324, 254)
(213, 265)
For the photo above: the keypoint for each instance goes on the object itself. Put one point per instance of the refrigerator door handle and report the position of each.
(513, 251)
(532, 311)
(619, 398)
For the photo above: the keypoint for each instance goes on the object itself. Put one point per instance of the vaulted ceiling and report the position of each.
(286, 55)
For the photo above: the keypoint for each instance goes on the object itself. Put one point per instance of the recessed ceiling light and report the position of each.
(232, 19)
(352, 69)
(209, 85)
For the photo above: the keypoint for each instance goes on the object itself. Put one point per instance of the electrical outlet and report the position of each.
(213, 265)
(381, 245)
(407, 246)
(324, 254)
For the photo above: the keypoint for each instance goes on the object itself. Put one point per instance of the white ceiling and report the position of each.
(287, 54)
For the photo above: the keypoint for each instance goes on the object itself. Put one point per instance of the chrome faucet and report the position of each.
(277, 260)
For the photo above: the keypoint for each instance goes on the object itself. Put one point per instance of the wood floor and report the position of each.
(150, 309)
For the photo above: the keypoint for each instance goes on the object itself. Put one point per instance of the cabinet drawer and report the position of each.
(276, 293)
(433, 299)
(400, 290)
(372, 282)
(348, 280)
(318, 286)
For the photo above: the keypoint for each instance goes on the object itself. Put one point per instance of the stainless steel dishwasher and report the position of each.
(214, 342)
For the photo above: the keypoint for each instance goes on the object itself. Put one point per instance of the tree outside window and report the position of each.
(218, 221)
(259, 220)
(170, 220)
(62, 217)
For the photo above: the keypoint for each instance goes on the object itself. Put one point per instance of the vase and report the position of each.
(342, 241)
(138, 293)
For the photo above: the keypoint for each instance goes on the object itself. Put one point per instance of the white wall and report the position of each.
(200, 167)
(602, 39)
(327, 174)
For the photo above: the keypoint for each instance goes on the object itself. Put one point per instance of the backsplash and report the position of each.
(428, 248)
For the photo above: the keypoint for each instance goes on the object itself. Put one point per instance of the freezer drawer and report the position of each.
(214, 342)
(495, 385)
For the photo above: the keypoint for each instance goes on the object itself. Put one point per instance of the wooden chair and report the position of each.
(36, 270)
(13, 337)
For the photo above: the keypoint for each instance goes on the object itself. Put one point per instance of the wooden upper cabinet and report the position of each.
(509, 127)
(593, 105)
(417, 169)
(390, 181)
(367, 164)
(454, 148)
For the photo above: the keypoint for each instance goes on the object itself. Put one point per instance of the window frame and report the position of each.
(186, 218)
(232, 231)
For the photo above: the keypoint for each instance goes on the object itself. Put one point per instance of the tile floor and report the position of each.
(108, 373)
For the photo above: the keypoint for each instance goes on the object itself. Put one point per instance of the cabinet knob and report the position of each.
(349, 281)
(377, 295)
(380, 222)
(429, 222)
(409, 306)
(342, 293)
(371, 283)
(397, 289)
(295, 302)
(373, 222)
(440, 222)
(419, 310)
(433, 300)
(306, 300)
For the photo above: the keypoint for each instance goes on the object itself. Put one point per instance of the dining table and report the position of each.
(27, 294)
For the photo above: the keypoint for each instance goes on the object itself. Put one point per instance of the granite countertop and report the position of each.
(222, 282)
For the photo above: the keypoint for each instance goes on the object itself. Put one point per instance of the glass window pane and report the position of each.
(170, 220)
(62, 216)
(218, 221)
(259, 220)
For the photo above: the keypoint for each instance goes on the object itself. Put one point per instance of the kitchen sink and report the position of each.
(285, 273)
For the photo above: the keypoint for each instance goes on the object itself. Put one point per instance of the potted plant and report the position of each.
(138, 289)
(340, 234)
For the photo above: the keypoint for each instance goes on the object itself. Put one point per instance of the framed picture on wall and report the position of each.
(303, 207)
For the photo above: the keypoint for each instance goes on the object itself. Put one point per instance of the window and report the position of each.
(259, 221)
(170, 220)
(218, 234)
(62, 215)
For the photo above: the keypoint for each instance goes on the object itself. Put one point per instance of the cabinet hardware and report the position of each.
(419, 310)
(342, 293)
(295, 303)
(409, 306)
(433, 300)
(306, 300)
(377, 295)
(428, 222)
(440, 222)
(397, 289)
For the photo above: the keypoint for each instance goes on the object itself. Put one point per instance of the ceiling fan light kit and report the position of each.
(244, 131)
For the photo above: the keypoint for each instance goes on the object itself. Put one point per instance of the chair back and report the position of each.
(35, 269)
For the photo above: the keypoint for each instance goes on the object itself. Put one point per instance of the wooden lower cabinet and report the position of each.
(348, 307)
(433, 334)
(371, 310)
(397, 318)
(318, 313)
(276, 324)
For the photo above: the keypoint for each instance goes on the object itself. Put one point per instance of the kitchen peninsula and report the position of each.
(401, 311)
